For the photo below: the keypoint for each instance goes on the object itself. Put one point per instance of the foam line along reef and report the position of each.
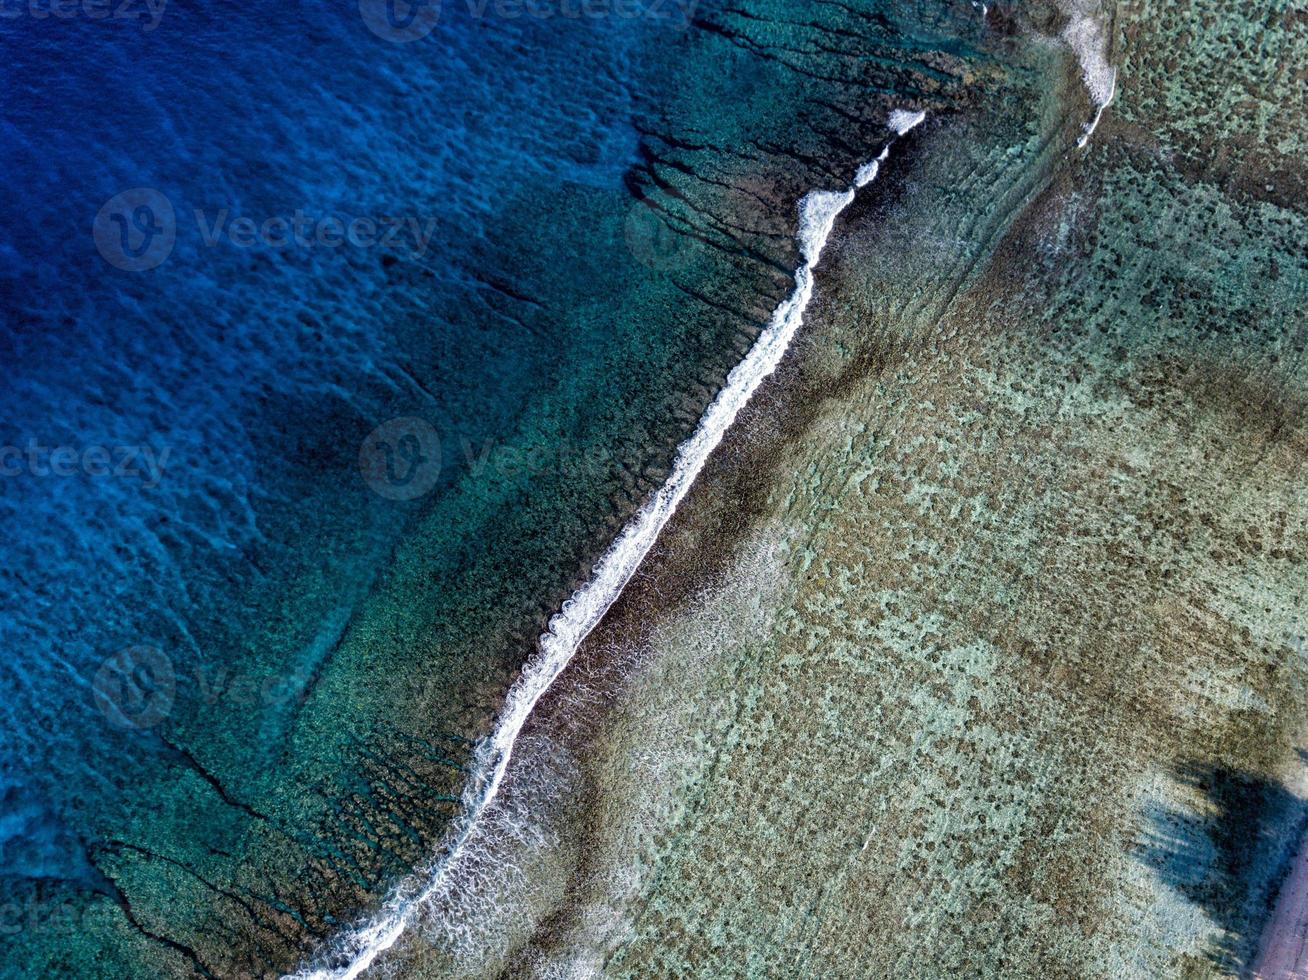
(1087, 35)
(354, 952)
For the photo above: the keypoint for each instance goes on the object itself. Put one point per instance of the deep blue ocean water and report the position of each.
(186, 395)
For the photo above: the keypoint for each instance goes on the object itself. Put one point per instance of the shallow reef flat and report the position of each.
(979, 646)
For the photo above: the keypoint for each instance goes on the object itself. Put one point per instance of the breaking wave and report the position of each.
(356, 950)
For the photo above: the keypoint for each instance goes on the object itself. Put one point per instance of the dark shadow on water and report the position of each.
(1230, 856)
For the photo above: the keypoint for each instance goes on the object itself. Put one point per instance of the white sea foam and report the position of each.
(1086, 34)
(868, 172)
(1099, 111)
(354, 952)
(901, 120)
